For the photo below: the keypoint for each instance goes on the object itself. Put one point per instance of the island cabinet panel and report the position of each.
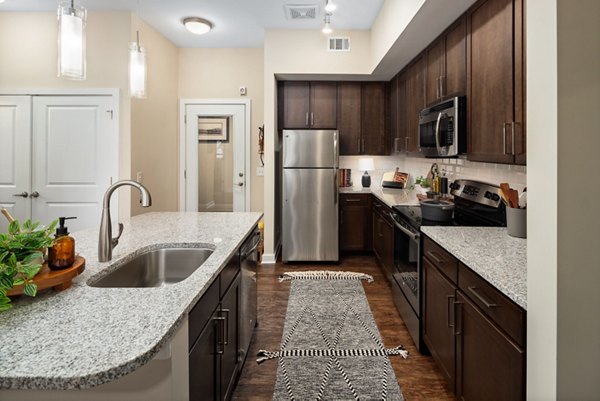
(495, 70)
(475, 333)
(490, 366)
(439, 320)
(213, 356)
(349, 117)
(355, 222)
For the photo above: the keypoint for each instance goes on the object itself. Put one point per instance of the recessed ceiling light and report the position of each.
(197, 26)
(1, 1)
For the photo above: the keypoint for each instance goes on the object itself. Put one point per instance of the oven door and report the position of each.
(407, 271)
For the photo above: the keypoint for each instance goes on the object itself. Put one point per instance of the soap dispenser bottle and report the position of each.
(62, 253)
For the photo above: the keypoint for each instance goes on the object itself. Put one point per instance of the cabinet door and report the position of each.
(204, 363)
(387, 239)
(229, 359)
(349, 117)
(393, 102)
(402, 112)
(454, 79)
(373, 118)
(489, 365)
(296, 100)
(376, 234)
(491, 99)
(415, 98)
(323, 104)
(439, 320)
(355, 228)
(433, 77)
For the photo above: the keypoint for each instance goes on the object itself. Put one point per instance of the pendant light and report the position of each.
(330, 6)
(327, 27)
(137, 69)
(71, 40)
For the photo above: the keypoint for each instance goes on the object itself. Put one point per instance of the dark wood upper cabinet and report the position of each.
(373, 124)
(435, 71)
(415, 101)
(394, 120)
(309, 105)
(362, 118)
(454, 78)
(349, 117)
(495, 96)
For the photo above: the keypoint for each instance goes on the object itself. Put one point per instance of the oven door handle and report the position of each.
(437, 133)
(406, 231)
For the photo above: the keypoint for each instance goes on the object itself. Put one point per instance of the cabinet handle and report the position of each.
(458, 322)
(396, 140)
(226, 324)
(220, 330)
(448, 312)
(442, 86)
(512, 126)
(406, 144)
(504, 139)
(353, 200)
(488, 304)
(306, 119)
(363, 146)
(433, 255)
(312, 119)
(437, 88)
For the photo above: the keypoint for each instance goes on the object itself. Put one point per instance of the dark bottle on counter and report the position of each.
(61, 254)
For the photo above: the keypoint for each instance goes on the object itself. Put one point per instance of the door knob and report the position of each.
(35, 194)
(240, 184)
(241, 174)
(22, 194)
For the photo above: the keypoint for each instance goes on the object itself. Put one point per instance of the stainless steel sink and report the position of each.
(155, 268)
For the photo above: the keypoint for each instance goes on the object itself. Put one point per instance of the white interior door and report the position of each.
(74, 141)
(215, 157)
(15, 157)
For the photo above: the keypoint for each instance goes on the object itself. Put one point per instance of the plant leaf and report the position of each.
(30, 289)
(4, 300)
(5, 307)
(6, 282)
(18, 281)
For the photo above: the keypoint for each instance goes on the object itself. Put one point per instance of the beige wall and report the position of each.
(218, 74)
(28, 57)
(154, 122)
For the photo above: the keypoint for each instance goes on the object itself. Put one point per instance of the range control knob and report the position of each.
(488, 195)
(495, 197)
(455, 185)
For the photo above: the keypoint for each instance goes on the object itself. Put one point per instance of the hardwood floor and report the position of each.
(418, 376)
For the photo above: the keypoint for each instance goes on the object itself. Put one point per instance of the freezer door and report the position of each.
(310, 149)
(310, 215)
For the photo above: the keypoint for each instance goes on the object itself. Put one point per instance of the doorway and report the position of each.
(214, 156)
(60, 155)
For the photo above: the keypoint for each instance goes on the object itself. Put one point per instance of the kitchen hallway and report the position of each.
(418, 376)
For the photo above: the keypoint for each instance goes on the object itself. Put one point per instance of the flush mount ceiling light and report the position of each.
(327, 27)
(330, 6)
(71, 40)
(197, 26)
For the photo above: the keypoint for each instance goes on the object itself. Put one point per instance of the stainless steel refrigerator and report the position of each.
(310, 195)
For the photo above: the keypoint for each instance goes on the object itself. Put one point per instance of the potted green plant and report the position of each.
(21, 257)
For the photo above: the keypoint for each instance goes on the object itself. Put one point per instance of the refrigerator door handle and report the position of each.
(335, 187)
(336, 153)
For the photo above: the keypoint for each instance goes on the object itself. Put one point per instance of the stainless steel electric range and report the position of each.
(476, 204)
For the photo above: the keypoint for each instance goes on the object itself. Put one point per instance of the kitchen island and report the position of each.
(85, 336)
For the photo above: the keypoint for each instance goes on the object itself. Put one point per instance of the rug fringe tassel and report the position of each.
(399, 350)
(325, 275)
(264, 355)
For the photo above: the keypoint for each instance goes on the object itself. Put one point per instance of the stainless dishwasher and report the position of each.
(248, 301)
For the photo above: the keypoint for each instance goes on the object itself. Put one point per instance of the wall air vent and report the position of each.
(301, 12)
(339, 44)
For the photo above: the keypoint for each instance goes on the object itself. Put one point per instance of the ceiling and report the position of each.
(237, 23)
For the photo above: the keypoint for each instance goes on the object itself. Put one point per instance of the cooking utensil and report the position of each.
(523, 199)
(7, 214)
(437, 210)
(514, 198)
(505, 193)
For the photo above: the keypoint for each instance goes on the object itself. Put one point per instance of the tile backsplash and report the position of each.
(455, 168)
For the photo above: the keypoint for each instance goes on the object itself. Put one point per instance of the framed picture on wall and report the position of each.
(212, 129)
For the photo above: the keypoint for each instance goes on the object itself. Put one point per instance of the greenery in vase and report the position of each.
(423, 182)
(20, 250)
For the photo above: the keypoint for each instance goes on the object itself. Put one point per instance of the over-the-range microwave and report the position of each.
(442, 129)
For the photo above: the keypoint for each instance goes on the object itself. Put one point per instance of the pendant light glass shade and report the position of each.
(137, 71)
(71, 41)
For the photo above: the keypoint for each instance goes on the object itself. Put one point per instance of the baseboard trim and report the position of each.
(271, 258)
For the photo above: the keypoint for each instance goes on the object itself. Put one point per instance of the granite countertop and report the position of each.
(489, 252)
(87, 336)
(389, 196)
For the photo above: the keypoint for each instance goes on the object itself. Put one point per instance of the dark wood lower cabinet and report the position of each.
(204, 363)
(355, 222)
(439, 321)
(230, 344)
(489, 366)
(383, 239)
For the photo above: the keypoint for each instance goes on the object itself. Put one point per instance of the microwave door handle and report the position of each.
(437, 133)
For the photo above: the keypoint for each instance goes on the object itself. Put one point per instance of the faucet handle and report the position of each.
(115, 241)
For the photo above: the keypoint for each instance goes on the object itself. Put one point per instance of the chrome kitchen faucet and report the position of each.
(105, 241)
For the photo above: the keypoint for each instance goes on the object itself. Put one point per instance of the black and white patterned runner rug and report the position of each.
(331, 348)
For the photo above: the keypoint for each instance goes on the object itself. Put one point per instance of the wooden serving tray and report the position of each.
(59, 280)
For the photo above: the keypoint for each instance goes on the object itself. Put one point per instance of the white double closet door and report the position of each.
(57, 157)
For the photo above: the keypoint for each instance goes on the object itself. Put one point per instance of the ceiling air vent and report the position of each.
(304, 11)
(339, 44)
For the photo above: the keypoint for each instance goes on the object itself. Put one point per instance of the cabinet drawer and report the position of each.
(497, 306)
(202, 311)
(229, 272)
(354, 199)
(441, 259)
